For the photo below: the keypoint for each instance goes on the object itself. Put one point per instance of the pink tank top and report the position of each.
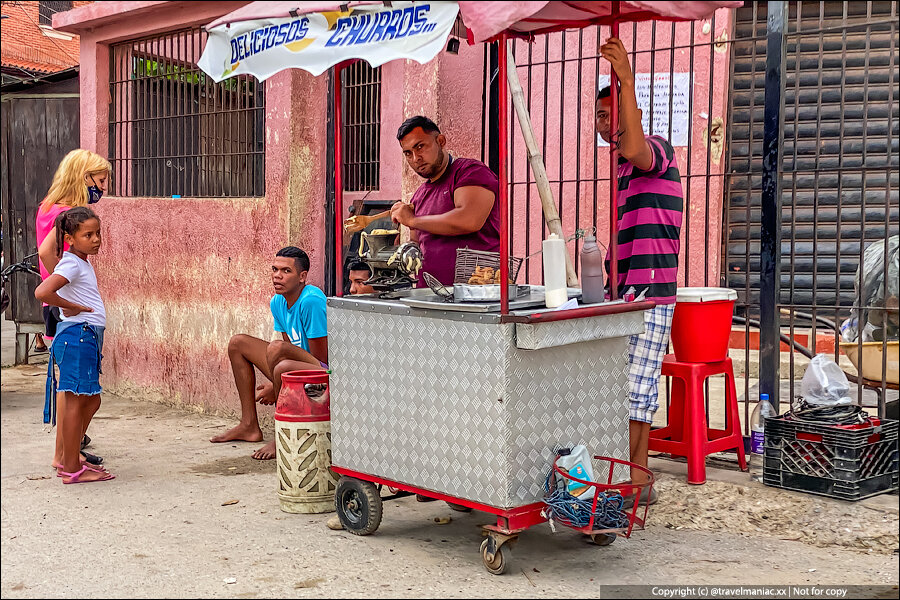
(45, 221)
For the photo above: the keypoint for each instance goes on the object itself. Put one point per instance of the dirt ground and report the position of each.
(166, 528)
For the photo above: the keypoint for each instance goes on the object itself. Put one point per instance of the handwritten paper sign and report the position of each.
(676, 87)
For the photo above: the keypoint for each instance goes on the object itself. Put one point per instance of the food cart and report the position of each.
(470, 403)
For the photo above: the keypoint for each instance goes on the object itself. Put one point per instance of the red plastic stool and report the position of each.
(688, 434)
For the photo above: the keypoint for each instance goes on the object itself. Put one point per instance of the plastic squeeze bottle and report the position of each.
(591, 272)
(554, 251)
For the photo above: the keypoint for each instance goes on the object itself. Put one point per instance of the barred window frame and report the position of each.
(361, 126)
(173, 131)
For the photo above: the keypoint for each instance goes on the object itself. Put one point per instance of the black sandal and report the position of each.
(92, 459)
(85, 441)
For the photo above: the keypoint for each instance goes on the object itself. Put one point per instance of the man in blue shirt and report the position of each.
(298, 309)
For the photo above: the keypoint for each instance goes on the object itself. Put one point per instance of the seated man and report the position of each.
(298, 309)
(360, 273)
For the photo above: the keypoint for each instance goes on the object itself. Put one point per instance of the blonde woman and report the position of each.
(81, 179)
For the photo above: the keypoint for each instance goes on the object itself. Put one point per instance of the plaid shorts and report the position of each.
(645, 356)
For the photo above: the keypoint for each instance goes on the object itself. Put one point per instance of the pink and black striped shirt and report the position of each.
(651, 208)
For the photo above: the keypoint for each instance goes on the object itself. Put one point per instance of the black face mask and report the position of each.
(94, 194)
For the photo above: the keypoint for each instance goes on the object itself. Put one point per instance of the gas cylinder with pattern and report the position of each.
(306, 483)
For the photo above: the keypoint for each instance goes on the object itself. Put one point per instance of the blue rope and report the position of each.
(576, 512)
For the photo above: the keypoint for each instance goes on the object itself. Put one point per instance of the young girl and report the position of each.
(79, 338)
(80, 179)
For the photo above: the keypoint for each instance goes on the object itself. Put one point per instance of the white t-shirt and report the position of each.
(81, 289)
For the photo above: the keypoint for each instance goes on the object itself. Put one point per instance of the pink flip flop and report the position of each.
(76, 477)
(84, 463)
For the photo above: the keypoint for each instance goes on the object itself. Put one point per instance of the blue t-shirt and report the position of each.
(304, 320)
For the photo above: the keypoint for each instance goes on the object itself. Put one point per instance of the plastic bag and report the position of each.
(824, 383)
(874, 291)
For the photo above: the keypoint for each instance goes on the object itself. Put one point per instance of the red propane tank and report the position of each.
(295, 406)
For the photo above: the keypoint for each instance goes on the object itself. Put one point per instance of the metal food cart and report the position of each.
(471, 407)
(470, 403)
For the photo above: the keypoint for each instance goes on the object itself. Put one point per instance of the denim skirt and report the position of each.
(76, 351)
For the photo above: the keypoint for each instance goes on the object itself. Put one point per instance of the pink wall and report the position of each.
(181, 276)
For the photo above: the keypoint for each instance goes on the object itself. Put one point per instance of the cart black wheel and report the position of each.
(358, 505)
(500, 562)
(603, 539)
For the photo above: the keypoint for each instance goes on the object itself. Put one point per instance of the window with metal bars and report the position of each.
(48, 8)
(173, 131)
(362, 126)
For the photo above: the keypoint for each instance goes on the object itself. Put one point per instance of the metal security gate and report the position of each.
(820, 80)
(841, 70)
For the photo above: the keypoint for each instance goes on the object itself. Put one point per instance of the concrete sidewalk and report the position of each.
(161, 530)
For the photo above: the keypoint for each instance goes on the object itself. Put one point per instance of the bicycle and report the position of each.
(6, 274)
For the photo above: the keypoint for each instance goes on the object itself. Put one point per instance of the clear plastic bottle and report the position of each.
(763, 411)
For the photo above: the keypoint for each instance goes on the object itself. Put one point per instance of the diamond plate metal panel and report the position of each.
(454, 407)
(534, 336)
(560, 397)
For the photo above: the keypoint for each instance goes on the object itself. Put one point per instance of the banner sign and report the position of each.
(317, 41)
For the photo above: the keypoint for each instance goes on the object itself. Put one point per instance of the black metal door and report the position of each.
(37, 132)
(840, 151)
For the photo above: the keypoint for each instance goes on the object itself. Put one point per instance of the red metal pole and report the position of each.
(614, 169)
(503, 132)
(338, 185)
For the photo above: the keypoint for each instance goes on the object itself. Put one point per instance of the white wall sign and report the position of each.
(663, 85)
(316, 41)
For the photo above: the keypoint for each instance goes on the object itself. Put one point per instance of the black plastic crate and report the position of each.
(848, 464)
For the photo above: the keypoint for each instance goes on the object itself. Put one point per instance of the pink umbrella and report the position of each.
(499, 20)
(277, 9)
(485, 20)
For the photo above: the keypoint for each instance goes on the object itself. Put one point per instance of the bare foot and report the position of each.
(242, 433)
(267, 452)
(57, 464)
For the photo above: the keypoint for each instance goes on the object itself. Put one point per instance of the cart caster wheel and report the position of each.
(603, 539)
(358, 505)
(498, 565)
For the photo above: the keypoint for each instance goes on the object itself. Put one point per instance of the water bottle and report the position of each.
(591, 272)
(554, 250)
(763, 410)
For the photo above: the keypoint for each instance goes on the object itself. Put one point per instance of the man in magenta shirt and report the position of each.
(456, 206)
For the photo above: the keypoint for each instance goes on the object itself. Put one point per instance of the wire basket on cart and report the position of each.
(468, 261)
(601, 514)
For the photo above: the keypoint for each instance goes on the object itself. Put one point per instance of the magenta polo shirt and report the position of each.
(436, 198)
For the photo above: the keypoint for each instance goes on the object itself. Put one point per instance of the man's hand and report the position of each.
(614, 52)
(265, 393)
(403, 213)
(71, 312)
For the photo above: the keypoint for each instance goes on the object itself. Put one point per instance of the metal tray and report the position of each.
(463, 292)
(535, 297)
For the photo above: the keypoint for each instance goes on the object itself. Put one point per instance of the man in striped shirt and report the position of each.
(650, 210)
